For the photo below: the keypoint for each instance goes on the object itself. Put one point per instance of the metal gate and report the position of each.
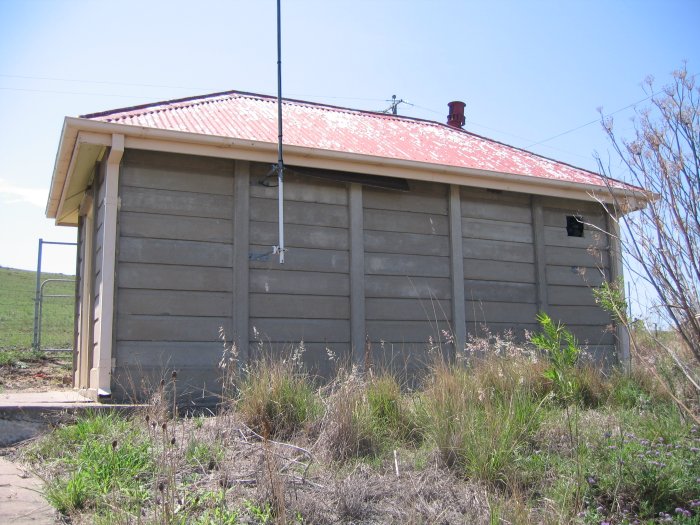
(44, 289)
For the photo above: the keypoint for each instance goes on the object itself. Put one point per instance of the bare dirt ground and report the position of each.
(50, 373)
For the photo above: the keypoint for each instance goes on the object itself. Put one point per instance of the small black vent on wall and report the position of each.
(574, 226)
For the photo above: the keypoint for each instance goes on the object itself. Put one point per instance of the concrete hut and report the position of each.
(400, 233)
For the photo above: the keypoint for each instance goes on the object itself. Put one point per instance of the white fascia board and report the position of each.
(67, 158)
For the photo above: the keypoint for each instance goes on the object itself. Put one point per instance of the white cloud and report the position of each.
(13, 194)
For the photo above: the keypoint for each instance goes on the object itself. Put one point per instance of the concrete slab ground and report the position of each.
(21, 502)
(58, 399)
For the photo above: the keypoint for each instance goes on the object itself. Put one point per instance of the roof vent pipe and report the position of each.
(456, 116)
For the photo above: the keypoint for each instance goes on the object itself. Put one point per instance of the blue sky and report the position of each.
(528, 71)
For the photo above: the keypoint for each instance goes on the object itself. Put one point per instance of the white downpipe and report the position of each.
(101, 373)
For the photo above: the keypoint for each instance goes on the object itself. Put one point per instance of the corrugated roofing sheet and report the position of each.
(254, 117)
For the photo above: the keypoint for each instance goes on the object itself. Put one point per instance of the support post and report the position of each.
(540, 260)
(459, 315)
(37, 299)
(616, 273)
(101, 373)
(357, 276)
(241, 272)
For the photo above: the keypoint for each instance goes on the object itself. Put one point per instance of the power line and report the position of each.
(56, 92)
(594, 121)
(102, 82)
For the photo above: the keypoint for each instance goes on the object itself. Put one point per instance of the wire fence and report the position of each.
(17, 293)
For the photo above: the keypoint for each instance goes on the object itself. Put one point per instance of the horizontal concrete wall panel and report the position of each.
(100, 214)
(513, 331)
(476, 269)
(163, 277)
(432, 310)
(593, 221)
(308, 213)
(174, 302)
(398, 332)
(170, 179)
(500, 312)
(299, 306)
(406, 222)
(173, 355)
(297, 188)
(295, 330)
(498, 250)
(575, 276)
(407, 287)
(318, 359)
(497, 211)
(304, 259)
(572, 206)
(172, 252)
(156, 226)
(405, 243)
(170, 328)
(97, 265)
(601, 354)
(592, 335)
(570, 296)
(421, 198)
(309, 283)
(593, 257)
(299, 236)
(198, 386)
(500, 291)
(174, 162)
(176, 203)
(496, 230)
(558, 236)
(414, 265)
(580, 315)
(496, 196)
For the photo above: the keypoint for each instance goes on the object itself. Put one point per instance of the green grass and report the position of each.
(17, 290)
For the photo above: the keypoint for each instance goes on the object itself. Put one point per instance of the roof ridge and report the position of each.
(201, 100)
(153, 105)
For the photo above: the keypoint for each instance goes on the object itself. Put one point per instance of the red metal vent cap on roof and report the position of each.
(456, 115)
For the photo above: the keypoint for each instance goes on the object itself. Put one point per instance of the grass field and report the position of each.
(17, 289)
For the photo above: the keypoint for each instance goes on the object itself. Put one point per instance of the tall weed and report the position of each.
(479, 429)
(277, 399)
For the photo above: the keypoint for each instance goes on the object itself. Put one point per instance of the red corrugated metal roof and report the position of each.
(254, 117)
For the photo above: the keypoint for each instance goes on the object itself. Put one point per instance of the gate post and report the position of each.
(37, 299)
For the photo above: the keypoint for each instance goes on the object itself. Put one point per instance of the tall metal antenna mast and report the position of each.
(280, 249)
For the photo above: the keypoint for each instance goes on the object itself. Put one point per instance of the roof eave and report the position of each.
(79, 132)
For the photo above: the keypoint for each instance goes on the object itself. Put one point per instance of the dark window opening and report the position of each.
(574, 226)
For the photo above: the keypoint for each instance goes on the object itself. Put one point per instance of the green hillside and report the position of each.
(17, 288)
